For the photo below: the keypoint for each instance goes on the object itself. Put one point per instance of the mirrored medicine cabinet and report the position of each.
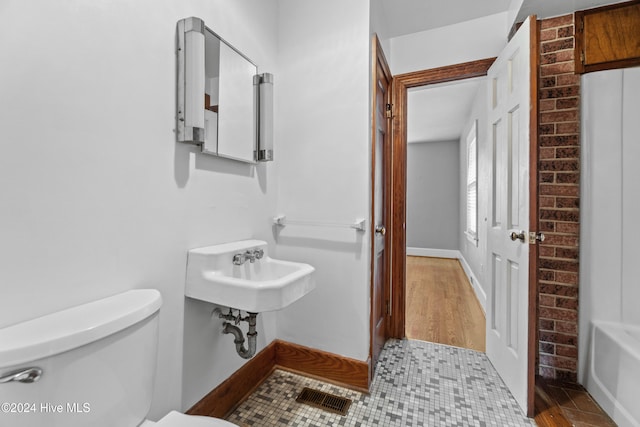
(224, 105)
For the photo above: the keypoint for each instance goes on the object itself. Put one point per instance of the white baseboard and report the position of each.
(455, 254)
(475, 283)
(435, 253)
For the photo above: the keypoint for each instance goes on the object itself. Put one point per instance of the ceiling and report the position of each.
(411, 16)
(549, 8)
(440, 112)
(403, 17)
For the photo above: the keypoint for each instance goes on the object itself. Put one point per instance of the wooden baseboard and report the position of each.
(350, 373)
(225, 398)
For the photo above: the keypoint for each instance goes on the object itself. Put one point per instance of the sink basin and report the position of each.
(266, 284)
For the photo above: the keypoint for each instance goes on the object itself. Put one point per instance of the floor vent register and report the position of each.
(326, 401)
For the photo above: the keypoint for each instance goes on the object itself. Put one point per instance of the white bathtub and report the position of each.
(614, 372)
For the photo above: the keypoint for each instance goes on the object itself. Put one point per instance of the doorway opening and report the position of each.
(510, 270)
(441, 218)
(401, 84)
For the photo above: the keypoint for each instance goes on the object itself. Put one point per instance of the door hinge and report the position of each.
(582, 57)
(388, 308)
(535, 237)
(389, 111)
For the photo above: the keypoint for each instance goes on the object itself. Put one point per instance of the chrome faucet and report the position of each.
(251, 255)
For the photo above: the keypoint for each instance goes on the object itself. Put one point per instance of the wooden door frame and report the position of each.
(378, 58)
(401, 83)
(534, 219)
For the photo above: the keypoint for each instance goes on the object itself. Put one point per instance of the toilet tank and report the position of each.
(98, 364)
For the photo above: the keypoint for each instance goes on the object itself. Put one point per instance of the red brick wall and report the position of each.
(559, 179)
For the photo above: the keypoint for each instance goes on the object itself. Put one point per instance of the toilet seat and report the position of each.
(176, 419)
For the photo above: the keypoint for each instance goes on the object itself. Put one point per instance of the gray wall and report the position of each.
(433, 195)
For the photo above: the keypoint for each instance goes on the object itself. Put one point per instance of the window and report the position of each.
(472, 184)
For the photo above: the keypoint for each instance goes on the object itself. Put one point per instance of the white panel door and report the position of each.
(508, 264)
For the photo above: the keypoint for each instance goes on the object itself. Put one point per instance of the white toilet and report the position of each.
(95, 366)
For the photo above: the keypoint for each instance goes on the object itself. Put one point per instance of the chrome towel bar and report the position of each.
(281, 221)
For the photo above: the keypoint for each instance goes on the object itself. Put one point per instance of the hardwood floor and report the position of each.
(441, 306)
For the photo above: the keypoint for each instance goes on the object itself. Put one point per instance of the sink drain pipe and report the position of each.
(252, 335)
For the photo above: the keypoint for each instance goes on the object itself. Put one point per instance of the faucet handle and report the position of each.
(238, 259)
(259, 253)
(250, 255)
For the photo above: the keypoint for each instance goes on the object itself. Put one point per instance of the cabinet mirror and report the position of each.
(217, 98)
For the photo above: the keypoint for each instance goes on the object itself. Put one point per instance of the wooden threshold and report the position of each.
(547, 411)
(563, 404)
(318, 364)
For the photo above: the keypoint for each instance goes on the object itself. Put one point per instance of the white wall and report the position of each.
(378, 26)
(610, 185)
(97, 197)
(476, 39)
(433, 190)
(323, 168)
(630, 196)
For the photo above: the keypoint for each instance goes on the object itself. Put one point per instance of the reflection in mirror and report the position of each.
(237, 105)
(230, 104)
(211, 97)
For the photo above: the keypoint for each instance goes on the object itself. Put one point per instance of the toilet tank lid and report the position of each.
(71, 328)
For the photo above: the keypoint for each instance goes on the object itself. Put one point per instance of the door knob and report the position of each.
(380, 230)
(517, 236)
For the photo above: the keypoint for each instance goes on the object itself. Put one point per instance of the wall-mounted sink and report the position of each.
(226, 275)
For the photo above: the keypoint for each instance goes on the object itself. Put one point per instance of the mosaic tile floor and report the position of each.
(416, 384)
